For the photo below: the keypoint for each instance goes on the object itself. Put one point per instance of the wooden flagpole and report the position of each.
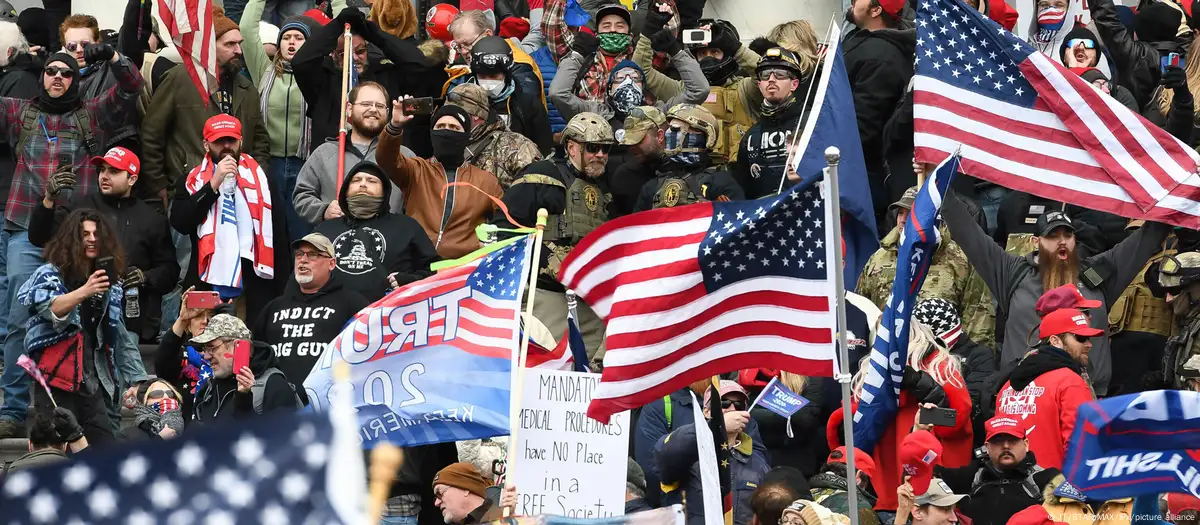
(347, 63)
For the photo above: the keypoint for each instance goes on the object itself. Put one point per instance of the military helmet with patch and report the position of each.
(1179, 270)
(589, 128)
(698, 118)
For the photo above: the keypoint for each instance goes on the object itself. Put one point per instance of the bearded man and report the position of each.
(1016, 282)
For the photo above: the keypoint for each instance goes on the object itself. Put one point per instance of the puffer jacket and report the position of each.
(545, 61)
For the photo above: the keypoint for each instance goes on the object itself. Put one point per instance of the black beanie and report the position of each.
(1157, 22)
(1092, 74)
(1078, 32)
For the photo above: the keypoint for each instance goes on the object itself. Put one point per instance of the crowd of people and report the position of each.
(142, 210)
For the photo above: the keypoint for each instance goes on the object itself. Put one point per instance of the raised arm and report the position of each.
(992, 263)
(554, 29)
(257, 60)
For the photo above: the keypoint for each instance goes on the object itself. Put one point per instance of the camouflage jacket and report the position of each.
(504, 154)
(950, 277)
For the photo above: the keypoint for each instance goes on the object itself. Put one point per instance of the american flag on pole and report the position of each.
(1027, 123)
(190, 25)
(696, 291)
(879, 398)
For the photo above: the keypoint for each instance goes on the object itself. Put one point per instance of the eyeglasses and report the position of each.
(369, 105)
(1087, 43)
(596, 149)
(160, 394)
(75, 46)
(779, 74)
(64, 72)
(212, 347)
(736, 404)
(312, 256)
(621, 77)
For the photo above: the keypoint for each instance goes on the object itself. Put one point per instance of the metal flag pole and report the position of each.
(832, 157)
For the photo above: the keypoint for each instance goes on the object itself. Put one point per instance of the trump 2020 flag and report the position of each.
(878, 401)
(1136, 444)
(835, 124)
(432, 362)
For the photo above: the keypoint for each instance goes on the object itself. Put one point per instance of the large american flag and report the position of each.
(695, 291)
(190, 26)
(1027, 123)
(274, 470)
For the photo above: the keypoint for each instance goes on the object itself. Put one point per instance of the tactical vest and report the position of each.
(586, 206)
(1138, 310)
(681, 191)
(734, 121)
(1181, 346)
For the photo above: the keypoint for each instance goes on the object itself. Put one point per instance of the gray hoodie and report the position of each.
(316, 185)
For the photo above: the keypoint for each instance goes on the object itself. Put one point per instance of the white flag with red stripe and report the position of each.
(189, 24)
(1027, 123)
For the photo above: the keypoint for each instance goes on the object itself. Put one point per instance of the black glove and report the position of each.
(94, 53)
(911, 376)
(355, 17)
(1174, 78)
(655, 20)
(133, 278)
(61, 179)
(66, 426)
(760, 45)
(399, 279)
(585, 43)
(666, 42)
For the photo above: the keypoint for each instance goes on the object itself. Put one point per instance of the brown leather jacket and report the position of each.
(421, 180)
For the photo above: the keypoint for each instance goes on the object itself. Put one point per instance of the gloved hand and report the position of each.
(911, 376)
(723, 39)
(133, 278)
(760, 45)
(398, 279)
(585, 43)
(66, 426)
(355, 17)
(94, 53)
(655, 19)
(665, 41)
(60, 180)
(1174, 78)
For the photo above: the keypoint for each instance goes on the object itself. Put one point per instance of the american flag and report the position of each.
(270, 470)
(695, 291)
(190, 26)
(1027, 123)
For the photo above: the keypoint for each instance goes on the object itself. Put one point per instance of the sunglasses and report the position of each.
(596, 149)
(76, 46)
(1081, 338)
(1087, 43)
(64, 72)
(160, 394)
(736, 404)
(779, 74)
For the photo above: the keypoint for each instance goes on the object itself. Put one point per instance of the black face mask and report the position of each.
(717, 72)
(449, 146)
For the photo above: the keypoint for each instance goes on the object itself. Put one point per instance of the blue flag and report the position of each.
(880, 396)
(432, 362)
(575, 341)
(1136, 444)
(834, 124)
(780, 399)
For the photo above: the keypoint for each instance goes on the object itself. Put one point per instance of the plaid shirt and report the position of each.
(39, 157)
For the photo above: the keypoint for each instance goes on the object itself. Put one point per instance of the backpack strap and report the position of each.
(31, 120)
(29, 124)
(667, 410)
(84, 120)
(259, 388)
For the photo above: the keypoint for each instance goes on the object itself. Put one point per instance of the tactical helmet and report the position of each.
(7, 11)
(779, 57)
(1179, 270)
(720, 29)
(589, 128)
(437, 21)
(491, 54)
(698, 118)
(1191, 368)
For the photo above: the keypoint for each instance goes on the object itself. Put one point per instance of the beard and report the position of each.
(1056, 272)
(367, 129)
(304, 279)
(217, 155)
(233, 67)
(850, 16)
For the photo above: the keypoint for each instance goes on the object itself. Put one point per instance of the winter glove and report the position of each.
(1174, 78)
(66, 426)
(355, 17)
(665, 41)
(61, 179)
(95, 53)
(723, 39)
(655, 20)
(585, 43)
(133, 278)
(399, 279)
(760, 45)
(922, 386)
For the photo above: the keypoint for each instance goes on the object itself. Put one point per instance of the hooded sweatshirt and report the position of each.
(299, 325)
(220, 400)
(1045, 390)
(316, 185)
(368, 250)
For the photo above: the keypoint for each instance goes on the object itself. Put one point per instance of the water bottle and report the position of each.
(133, 309)
(229, 185)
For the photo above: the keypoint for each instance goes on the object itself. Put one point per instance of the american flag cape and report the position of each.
(696, 291)
(190, 26)
(432, 361)
(1027, 123)
(879, 400)
(276, 469)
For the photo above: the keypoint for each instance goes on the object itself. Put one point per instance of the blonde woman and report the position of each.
(932, 376)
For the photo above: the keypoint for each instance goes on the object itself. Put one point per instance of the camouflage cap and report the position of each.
(906, 201)
(588, 128)
(472, 98)
(1178, 270)
(640, 120)
(222, 326)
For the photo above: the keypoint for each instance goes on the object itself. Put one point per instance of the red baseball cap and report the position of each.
(121, 159)
(862, 460)
(222, 126)
(1065, 296)
(1178, 502)
(1067, 321)
(919, 452)
(892, 7)
(1004, 425)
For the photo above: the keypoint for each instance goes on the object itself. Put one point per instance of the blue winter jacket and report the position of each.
(678, 465)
